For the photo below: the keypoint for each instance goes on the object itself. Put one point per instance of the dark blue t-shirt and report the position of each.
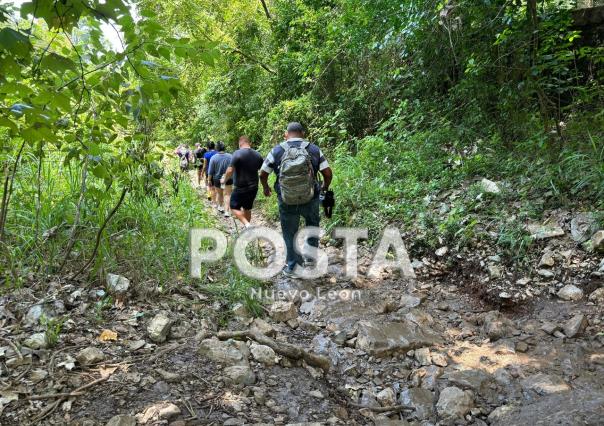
(273, 161)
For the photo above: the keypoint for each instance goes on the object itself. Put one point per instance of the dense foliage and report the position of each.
(410, 100)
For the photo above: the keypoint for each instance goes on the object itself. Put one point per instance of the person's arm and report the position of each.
(267, 168)
(211, 167)
(325, 171)
(227, 175)
(327, 176)
(264, 181)
(203, 168)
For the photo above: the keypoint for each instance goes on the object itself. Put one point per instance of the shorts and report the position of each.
(243, 198)
(216, 182)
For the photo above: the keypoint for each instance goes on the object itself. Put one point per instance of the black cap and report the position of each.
(295, 127)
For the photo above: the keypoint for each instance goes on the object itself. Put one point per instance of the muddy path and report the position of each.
(423, 352)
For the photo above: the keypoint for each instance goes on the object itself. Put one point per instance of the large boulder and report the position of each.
(454, 403)
(570, 292)
(382, 338)
(421, 400)
(576, 407)
(544, 384)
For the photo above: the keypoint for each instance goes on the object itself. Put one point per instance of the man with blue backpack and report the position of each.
(297, 163)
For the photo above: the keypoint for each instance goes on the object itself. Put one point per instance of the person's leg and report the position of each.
(228, 189)
(248, 215)
(219, 197)
(290, 222)
(311, 212)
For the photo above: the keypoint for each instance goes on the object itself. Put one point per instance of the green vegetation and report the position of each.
(413, 103)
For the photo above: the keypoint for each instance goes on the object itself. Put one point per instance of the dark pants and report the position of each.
(290, 223)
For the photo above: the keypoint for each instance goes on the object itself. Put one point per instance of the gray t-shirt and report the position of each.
(219, 164)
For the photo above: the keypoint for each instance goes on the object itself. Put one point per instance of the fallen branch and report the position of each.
(286, 349)
(62, 397)
(382, 409)
(79, 391)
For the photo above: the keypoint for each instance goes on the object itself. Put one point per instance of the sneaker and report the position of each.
(287, 272)
(227, 214)
(220, 209)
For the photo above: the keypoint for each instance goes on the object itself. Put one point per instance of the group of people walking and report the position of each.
(232, 182)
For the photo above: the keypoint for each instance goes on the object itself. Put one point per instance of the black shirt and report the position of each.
(246, 163)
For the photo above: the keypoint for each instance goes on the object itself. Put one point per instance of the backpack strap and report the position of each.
(284, 145)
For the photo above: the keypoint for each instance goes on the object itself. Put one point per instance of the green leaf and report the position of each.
(100, 171)
(5, 122)
(14, 42)
(57, 63)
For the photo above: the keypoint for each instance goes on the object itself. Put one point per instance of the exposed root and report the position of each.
(286, 349)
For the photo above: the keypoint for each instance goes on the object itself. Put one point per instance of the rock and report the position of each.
(550, 327)
(597, 296)
(382, 338)
(496, 325)
(601, 267)
(597, 241)
(546, 273)
(283, 311)
(386, 397)
(494, 271)
(476, 380)
(439, 359)
(426, 377)
(239, 375)
(263, 327)
(521, 347)
(90, 355)
(36, 341)
(544, 384)
(577, 407)
(419, 317)
(547, 259)
(263, 354)
(168, 376)
(575, 326)
(316, 394)
(158, 411)
(240, 311)
(33, 315)
(122, 420)
(229, 352)
(542, 232)
(421, 400)
(454, 403)
(442, 251)
(523, 281)
(489, 186)
(582, 227)
(159, 327)
(408, 301)
(117, 284)
(570, 292)
(500, 412)
(422, 355)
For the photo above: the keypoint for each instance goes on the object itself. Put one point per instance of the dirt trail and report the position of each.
(401, 352)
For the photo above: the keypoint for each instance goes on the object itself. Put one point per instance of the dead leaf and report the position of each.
(106, 371)
(108, 335)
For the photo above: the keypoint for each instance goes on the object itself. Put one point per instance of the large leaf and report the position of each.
(57, 63)
(14, 42)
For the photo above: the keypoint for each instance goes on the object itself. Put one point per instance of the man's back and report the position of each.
(246, 162)
(219, 163)
(273, 162)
